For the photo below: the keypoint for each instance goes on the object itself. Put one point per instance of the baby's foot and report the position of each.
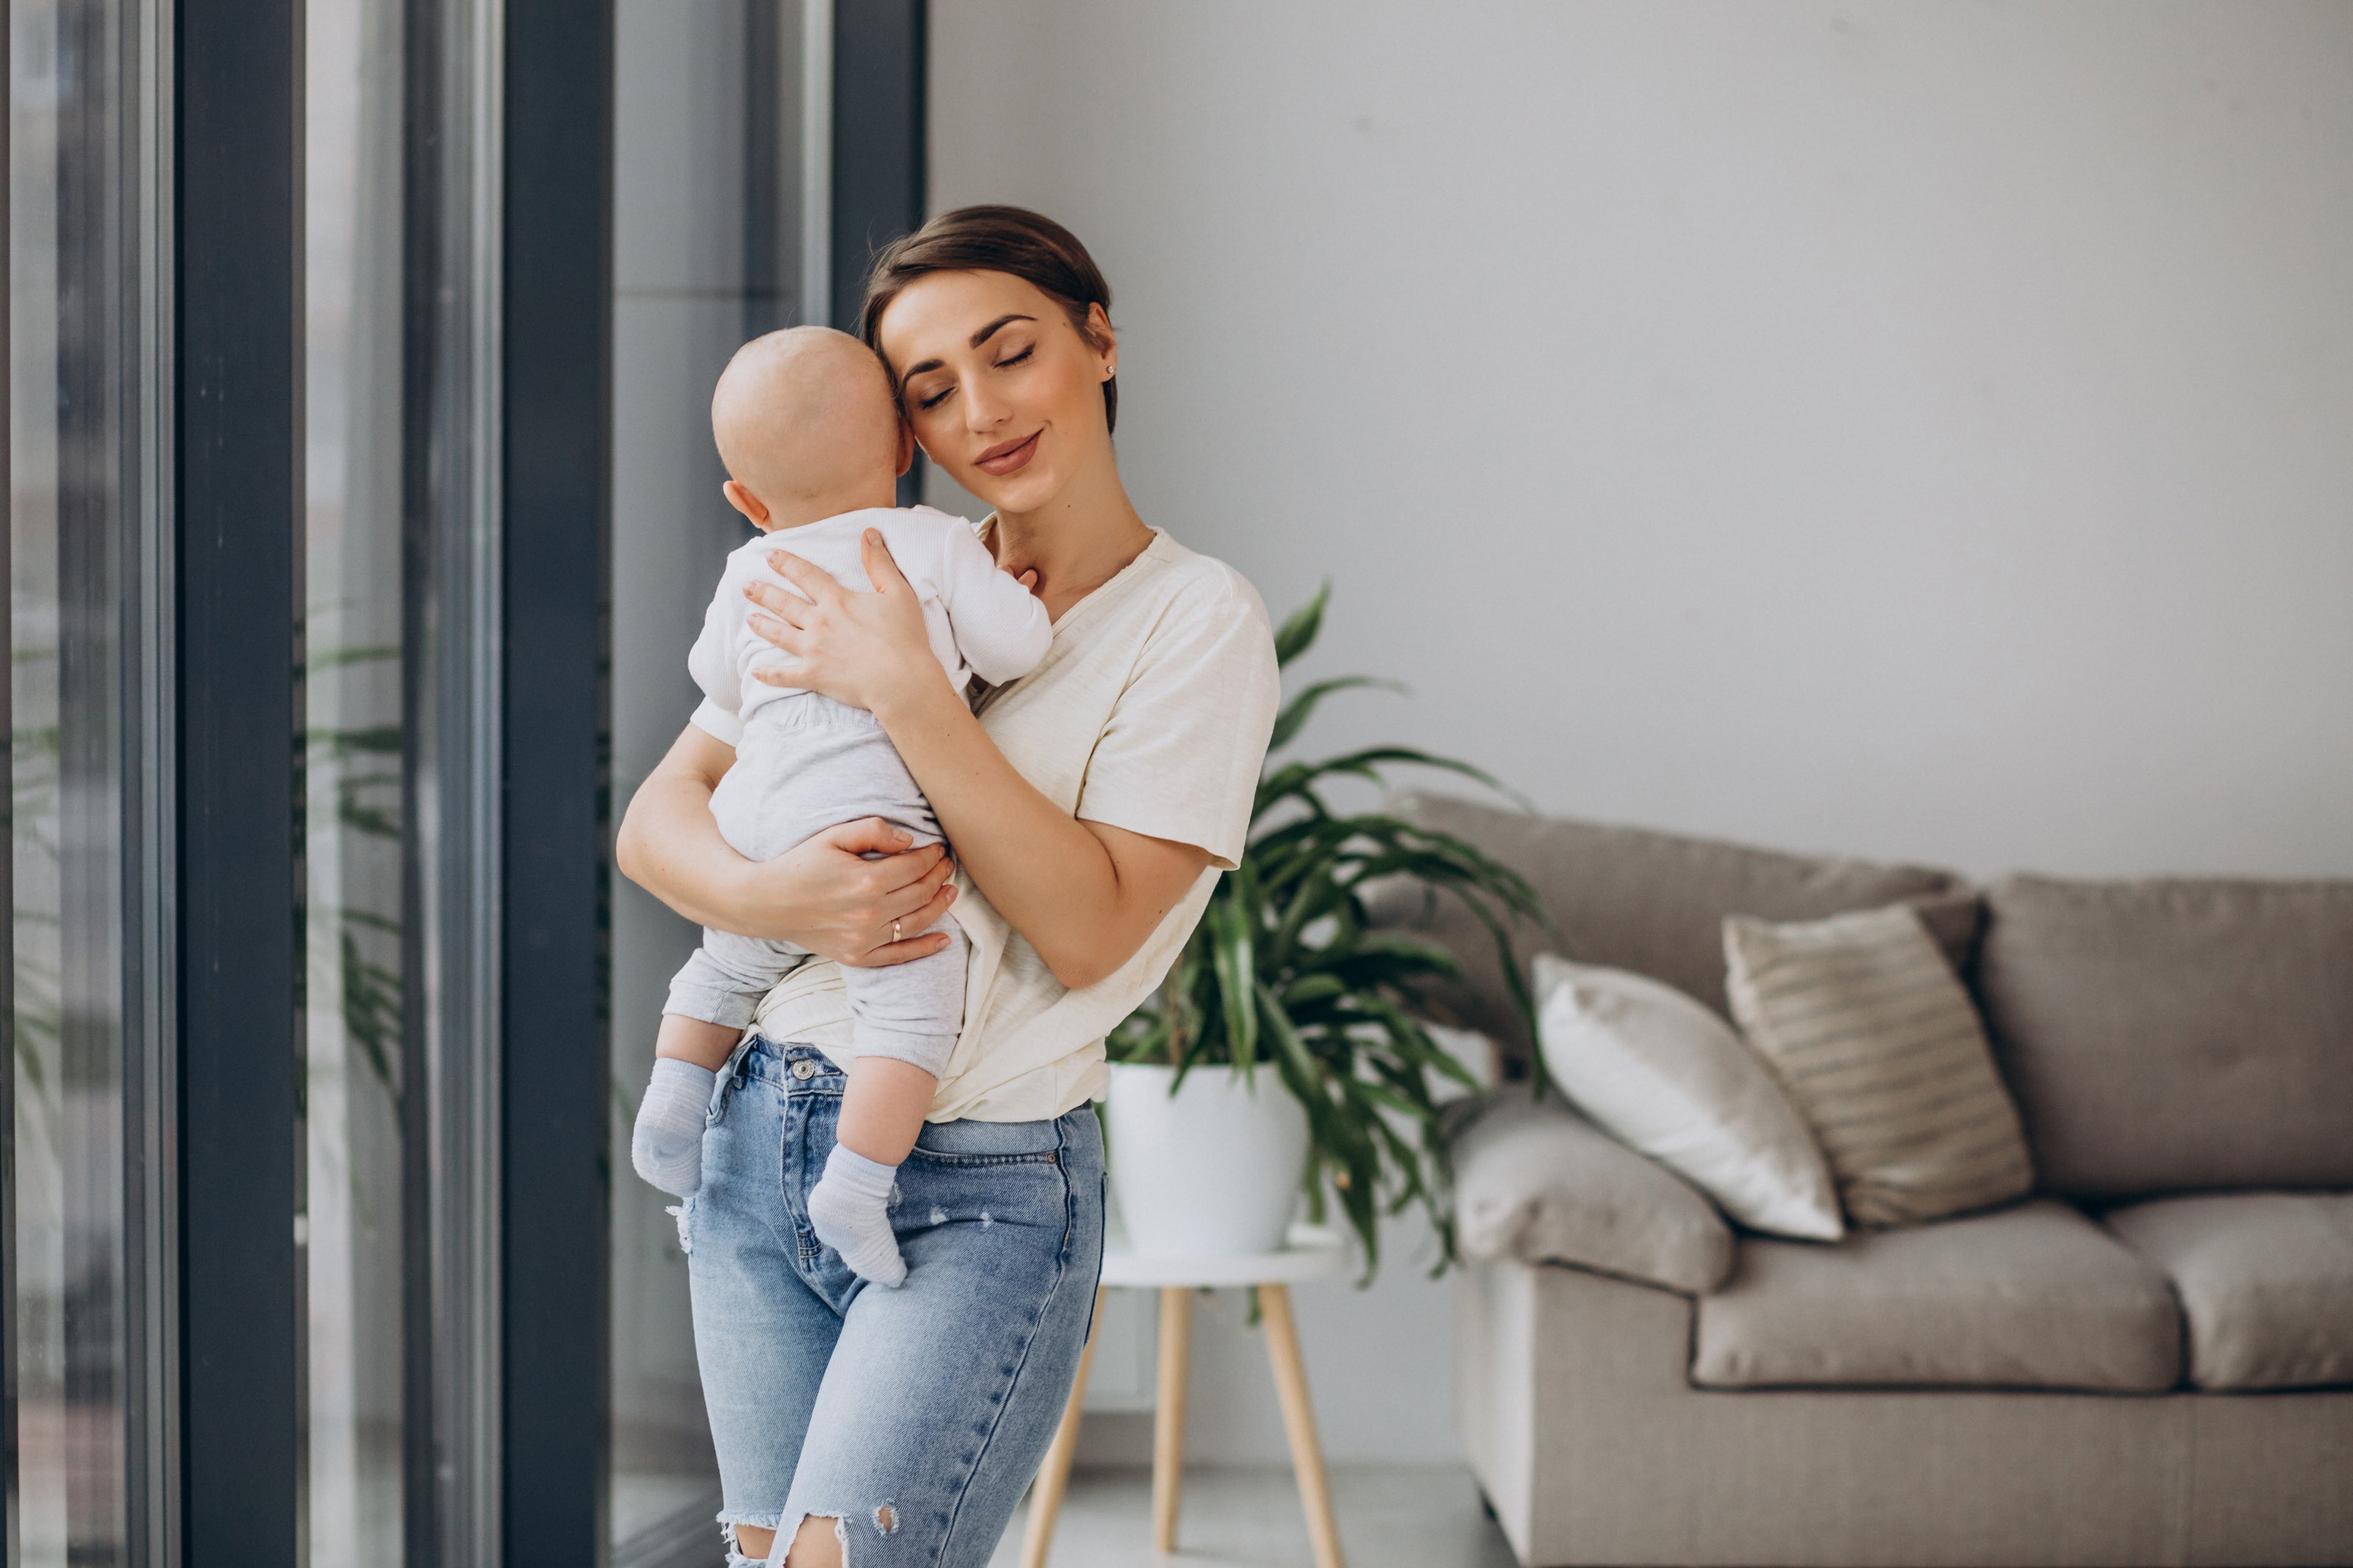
(666, 1145)
(849, 1209)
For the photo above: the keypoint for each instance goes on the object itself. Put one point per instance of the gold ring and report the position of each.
(894, 930)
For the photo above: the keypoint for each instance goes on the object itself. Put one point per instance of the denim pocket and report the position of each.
(969, 1162)
(989, 1143)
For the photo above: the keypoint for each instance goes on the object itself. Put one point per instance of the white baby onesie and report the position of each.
(804, 763)
(980, 621)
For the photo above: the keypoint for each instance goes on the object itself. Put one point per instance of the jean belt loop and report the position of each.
(739, 1063)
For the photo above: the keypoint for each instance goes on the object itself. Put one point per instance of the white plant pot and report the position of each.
(1213, 1170)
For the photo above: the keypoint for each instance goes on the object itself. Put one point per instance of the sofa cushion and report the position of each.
(2265, 1282)
(1628, 898)
(1535, 1181)
(2165, 1036)
(2031, 1297)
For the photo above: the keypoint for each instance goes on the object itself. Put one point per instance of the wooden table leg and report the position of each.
(1054, 1476)
(1169, 1416)
(1298, 1423)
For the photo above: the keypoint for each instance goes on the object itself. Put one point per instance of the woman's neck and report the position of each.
(1076, 542)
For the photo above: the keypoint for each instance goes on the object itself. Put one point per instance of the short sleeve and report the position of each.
(717, 722)
(1181, 755)
(711, 662)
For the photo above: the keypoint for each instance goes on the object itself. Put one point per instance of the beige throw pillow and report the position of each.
(1880, 1048)
(1668, 1077)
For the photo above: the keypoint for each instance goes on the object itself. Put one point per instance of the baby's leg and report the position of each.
(712, 1001)
(905, 1019)
(724, 981)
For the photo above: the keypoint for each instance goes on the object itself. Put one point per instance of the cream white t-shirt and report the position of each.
(1151, 711)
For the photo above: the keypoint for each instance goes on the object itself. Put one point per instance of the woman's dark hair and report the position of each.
(1029, 246)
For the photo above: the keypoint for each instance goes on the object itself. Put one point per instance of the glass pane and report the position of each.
(707, 146)
(353, 835)
(75, 508)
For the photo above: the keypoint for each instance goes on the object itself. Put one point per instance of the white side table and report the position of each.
(1314, 1253)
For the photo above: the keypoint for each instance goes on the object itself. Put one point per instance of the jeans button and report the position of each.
(805, 1069)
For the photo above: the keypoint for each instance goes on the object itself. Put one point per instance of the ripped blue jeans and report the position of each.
(916, 1417)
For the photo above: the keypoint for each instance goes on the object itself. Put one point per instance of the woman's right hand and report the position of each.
(825, 896)
(822, 893)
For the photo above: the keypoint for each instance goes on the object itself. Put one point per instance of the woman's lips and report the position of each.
(1009, 457)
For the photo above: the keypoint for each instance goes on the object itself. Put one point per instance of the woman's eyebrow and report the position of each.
(978, 338)
(990, 331)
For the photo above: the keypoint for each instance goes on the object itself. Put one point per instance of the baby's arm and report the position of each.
(1001, 628)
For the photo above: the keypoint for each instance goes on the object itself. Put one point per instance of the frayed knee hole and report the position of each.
(841, 1534)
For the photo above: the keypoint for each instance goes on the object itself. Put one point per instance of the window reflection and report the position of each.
(354, 1099)
(77, 467)
(708, 147)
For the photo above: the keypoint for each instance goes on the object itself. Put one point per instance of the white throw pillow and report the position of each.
(1672, 1079)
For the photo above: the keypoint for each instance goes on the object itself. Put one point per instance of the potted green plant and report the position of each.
(1287, 1047)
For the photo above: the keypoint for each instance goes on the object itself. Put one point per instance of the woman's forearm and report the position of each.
(1085, 896)
(824, 893)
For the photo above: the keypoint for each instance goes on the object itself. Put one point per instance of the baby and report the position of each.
(809, 428)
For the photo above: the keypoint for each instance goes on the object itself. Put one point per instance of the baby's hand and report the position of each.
(1028, 578)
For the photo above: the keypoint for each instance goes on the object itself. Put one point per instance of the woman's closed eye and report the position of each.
(928, 401)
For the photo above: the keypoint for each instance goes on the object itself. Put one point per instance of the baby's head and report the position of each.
(808, 427)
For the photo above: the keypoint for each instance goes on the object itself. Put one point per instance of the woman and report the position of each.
(1091, 806)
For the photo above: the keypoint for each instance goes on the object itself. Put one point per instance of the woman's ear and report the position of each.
(747, 504)
(1102, 339)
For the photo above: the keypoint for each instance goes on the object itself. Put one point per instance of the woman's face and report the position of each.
(1002, 390)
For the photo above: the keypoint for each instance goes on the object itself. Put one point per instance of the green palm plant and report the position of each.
(1287, 970)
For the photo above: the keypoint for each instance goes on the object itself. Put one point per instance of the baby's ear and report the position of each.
(744, 501)
(906, 448)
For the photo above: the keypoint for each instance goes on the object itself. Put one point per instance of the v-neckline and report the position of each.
(986, 524)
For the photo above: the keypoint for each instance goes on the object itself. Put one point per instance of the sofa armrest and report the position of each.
(1535, 1181)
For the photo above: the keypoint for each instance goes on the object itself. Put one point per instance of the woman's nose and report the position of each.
(984, 411)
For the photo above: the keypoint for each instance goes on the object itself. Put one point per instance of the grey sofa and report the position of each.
(2149, 1361)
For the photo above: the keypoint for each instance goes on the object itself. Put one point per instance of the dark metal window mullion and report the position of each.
(555, 497)
(879, 184)
(237, 102)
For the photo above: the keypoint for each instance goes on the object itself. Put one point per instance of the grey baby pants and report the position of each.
(807, 763)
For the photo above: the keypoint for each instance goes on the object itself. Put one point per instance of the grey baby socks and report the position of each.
(849, 1209)
(666, 1146)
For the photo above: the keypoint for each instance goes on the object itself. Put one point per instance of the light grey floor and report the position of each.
(642, 1502)
(1390, 1517)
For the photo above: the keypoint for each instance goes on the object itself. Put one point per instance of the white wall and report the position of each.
(1921, 431)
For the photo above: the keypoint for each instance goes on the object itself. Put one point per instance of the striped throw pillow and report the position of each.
(1883, 1054)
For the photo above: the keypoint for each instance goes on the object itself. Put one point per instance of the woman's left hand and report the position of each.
(868, 650)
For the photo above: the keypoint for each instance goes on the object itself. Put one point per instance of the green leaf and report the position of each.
(1237, 970)
(1299, 632)
(1301, 708)
(329, 658)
